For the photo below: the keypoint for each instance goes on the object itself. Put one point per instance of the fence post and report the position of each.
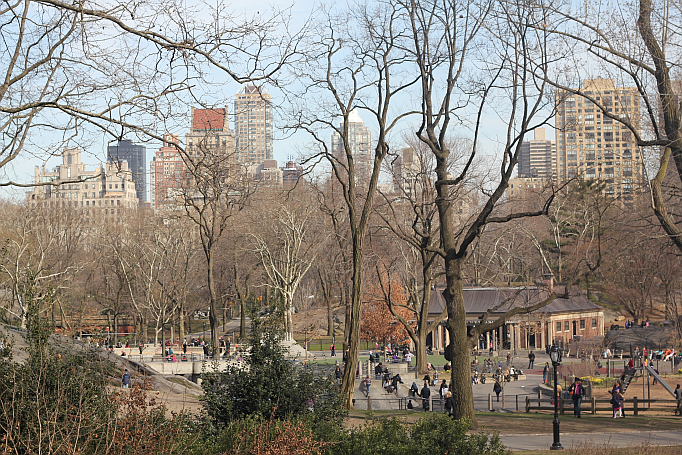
(634, 402)
(561, 404)
(517, 402)
(369, 403)
(431, 403)
(503, 400)
(527, 404)
(594, 406)
(490, 402)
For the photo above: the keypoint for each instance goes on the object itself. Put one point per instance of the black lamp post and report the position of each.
(555, 356)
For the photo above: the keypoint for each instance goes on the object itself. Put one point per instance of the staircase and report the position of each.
(628, 378)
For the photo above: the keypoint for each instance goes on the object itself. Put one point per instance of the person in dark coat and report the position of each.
(497, 388)
(531, 360)
(425, 394)
(577, 392)
(449, 405)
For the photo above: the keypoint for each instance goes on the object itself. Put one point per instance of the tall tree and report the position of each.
(445, 35)
(360, 69)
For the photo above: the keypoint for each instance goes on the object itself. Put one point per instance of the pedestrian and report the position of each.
(678, 397)
(443, 388)
(577, 392)
(531, 360)
(508, 358)
(141, 347)
(414, 390)
(184, 346)
(545, 370)
(332, 349)
(368, 382)
(497, 388)
(617, 403)
(449, 405)
(125, 380)
(338, 374)
(425, 394)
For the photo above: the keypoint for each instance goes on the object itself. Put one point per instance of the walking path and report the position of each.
(614, 439)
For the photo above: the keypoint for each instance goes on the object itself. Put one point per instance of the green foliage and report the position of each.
(270, 385)
(433, 434)
(56, 401)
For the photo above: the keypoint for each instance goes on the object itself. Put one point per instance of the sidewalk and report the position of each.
(615, 439)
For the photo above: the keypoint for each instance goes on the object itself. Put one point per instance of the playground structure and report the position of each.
(643, 371)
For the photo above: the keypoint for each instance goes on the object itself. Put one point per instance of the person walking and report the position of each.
(545, 370)
(497, 388)
(141, 347)
(425, 394)
(449, 405)
(332, 348)
(577, 393)
(338, 374)
(531, 360)
(617, 403)
(443, 389)
(125, 380)
(368, 382)
(678, 397)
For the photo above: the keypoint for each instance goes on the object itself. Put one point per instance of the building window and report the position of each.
(558, 326)
(566, 326)
(594, 323)
(582, 324)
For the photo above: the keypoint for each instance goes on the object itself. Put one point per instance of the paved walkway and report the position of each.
(615, 439)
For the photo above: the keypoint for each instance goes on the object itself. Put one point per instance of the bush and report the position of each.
(270, 386)
(433, 434)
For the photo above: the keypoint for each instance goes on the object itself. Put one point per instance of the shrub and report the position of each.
(270, 386)
(436, 434)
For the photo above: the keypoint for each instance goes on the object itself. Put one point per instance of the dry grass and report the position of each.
(604, 449)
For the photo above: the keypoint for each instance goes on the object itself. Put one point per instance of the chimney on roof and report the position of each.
(548, 281)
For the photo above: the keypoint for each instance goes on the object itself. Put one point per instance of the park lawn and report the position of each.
(522, 423)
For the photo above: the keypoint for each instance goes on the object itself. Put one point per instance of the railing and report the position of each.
(593, 405)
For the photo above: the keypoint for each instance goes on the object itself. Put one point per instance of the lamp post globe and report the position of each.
(555, 356)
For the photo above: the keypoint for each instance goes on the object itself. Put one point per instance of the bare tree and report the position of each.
(445, 35)
(287, 249)
(360, 69)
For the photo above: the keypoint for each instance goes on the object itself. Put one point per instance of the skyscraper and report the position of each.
(253, 125)
(537, 157)
(360, 144)
(595, 146)
(136, 156)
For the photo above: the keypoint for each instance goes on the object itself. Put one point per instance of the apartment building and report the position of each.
(253, 125)
(167, 171)
(593, 145)
(537, 157)
(360, 144)
(110, 189)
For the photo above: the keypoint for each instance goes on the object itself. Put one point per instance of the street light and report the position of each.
(555, 356)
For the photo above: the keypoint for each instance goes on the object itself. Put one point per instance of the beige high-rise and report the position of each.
(253, 125)
(591, 144)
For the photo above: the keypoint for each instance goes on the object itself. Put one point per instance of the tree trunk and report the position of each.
(181, 322)
(213, 311)
(460, 345)
(288, 316)
(353, 329)
(330, 319)
(242, 319)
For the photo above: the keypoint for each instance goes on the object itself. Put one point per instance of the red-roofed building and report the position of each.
(209, 120)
